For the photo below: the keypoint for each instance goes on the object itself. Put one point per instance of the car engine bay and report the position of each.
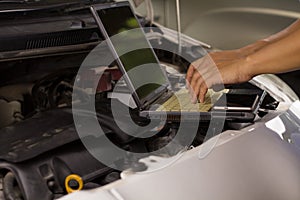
(39, 143)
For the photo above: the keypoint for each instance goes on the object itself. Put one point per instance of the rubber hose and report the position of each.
(8, 187)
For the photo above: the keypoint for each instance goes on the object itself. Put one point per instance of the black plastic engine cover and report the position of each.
(43, 150)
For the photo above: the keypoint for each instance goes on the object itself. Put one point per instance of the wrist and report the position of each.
(247, 68)
(252, 48)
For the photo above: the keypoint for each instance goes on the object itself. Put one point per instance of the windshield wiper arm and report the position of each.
(14, 1)
(62, 6)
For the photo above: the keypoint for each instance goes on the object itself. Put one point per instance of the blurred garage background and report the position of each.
(226, 24)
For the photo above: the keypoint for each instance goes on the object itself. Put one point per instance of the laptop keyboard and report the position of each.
(181, 102)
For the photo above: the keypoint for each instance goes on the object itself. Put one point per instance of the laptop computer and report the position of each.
(147, 80)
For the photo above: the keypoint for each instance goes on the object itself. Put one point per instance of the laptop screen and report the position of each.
(133, 50)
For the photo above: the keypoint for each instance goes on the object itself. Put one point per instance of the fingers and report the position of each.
(201, 75)
(193, 84)
(202, 92)
(196, 90)
(199, 91)
(200, 84)
(190, 73)
(195, 81)
(194, 68)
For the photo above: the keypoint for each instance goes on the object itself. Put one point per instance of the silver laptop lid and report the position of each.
(132, 51)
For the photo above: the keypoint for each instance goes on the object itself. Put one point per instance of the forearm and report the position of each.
(258, 45)
(284, 33)
(280, 56)
(275, 54)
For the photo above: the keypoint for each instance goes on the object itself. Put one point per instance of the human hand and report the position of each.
(216, 68)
